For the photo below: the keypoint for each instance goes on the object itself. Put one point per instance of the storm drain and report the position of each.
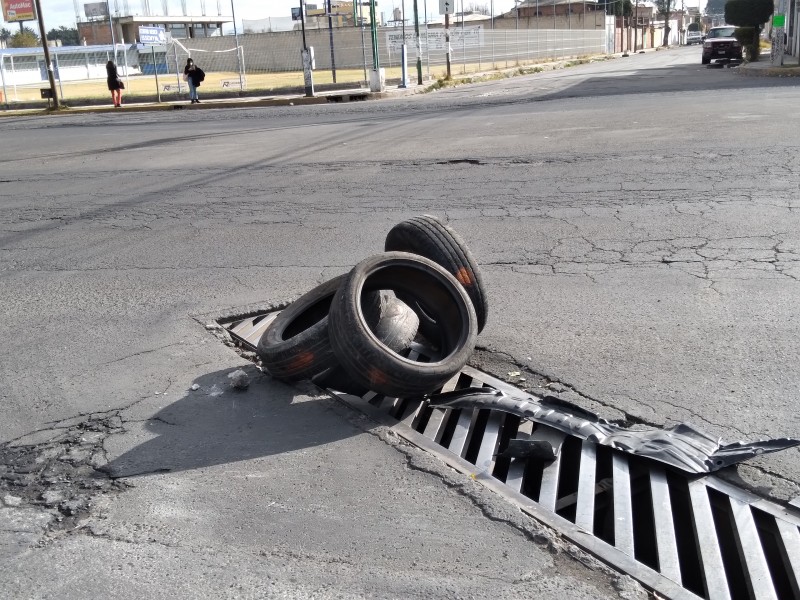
(683, 537)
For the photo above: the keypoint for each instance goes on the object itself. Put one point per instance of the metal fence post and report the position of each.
(177, 69)
(3, 77)
(14, 76)
(155, 72)
(58, 70)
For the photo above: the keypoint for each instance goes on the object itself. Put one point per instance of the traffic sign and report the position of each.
(447, 7)
(152, 35)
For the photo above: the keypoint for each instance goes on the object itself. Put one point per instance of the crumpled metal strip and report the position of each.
(681, 446)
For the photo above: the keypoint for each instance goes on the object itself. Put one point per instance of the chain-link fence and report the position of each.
(270, 63)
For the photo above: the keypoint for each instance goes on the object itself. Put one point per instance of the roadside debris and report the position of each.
(239, 380)
(681, 446)
(399, 323)
(404, 322)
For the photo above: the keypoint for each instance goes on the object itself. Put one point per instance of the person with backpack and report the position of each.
(194, 76)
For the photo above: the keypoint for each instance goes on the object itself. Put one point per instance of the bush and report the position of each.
(748, 37)
(749, 16)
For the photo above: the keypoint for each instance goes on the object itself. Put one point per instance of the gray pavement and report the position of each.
(649, 272)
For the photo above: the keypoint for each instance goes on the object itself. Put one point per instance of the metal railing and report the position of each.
(271, 63)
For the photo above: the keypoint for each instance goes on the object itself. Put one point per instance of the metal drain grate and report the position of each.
(683, 537)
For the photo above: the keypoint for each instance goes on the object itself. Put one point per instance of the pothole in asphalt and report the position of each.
(59, 469)
(681, 536)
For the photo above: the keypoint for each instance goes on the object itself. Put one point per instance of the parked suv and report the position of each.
(720, 44)
(693, 37)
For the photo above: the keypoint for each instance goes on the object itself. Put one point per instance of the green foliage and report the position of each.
(625, 8)
(715, 7)
(26, 38)
(748, 13)
(619, 8)
(5, 34)
(67, 35)
(664, 9)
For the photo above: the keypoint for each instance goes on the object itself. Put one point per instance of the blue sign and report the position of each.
(152, 35)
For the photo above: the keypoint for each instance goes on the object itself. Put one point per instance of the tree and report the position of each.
(481, 9)
(26, 38)
(664, 10)
(67, 35)
(715, 7)
(750, 15)
(619, 9)
(5, 35)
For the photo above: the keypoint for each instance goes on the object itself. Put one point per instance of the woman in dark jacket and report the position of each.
(193, 75)
(114, 84)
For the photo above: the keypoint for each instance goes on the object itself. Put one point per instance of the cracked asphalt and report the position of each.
(637, 225)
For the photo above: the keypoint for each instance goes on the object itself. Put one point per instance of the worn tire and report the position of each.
(372, 364)
(296, 344)
(396, 327)
(429, 237)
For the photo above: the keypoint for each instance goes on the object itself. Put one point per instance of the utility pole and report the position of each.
(308, 77)
(42, 32)
(403, 48)
(447, 40)
(417, 42)
(330, 32)
(238, 50)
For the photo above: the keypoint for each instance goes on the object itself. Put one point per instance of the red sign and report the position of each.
(18, 10)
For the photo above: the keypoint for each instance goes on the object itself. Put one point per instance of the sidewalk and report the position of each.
(348, 95)
(764, 67)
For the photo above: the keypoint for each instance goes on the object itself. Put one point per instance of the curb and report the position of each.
(323, 98)
(784, 71)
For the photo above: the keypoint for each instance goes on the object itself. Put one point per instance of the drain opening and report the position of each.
(683, 537)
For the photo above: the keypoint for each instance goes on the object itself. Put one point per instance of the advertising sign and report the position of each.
(467, 37)
(152, 35)
(18, 10)
(95, 9)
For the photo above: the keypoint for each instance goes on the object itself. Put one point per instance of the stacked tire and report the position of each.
(400, 323)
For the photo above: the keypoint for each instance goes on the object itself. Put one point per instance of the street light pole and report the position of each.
(417, 43)
(238, 57)
(50, 77)
(111, 27)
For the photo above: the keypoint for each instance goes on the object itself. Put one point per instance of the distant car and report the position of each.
(694, 37)
(720, 44)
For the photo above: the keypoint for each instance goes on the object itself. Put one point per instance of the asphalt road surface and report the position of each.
(637, 225)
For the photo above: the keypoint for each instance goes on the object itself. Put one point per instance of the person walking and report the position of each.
(115, 85)
(194, 76)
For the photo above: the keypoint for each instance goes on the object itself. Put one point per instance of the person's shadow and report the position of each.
(217, 424)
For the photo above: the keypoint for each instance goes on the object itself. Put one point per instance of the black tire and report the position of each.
(396, 327)
(706, 60)
(296, 344)
(372, 364)
(429, 237)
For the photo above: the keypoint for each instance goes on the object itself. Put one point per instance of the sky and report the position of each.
(62, 12)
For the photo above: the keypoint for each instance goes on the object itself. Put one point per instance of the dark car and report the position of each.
(720, 44)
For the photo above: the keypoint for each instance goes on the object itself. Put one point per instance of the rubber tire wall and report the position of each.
(429, 237)
(372, 364)
(296, 345)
